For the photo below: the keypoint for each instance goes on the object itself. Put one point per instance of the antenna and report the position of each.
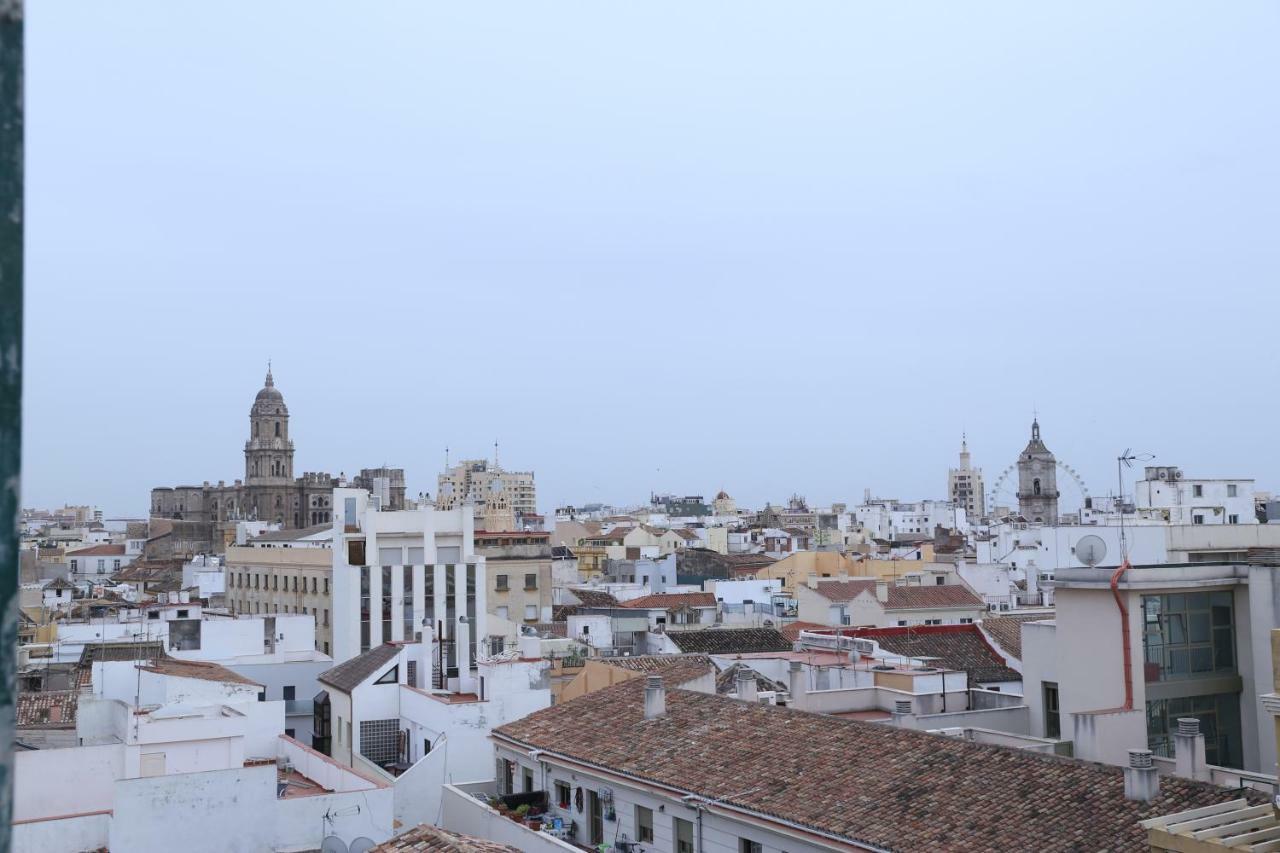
(1126, 460)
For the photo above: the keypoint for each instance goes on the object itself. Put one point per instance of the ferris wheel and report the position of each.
(1001, 493)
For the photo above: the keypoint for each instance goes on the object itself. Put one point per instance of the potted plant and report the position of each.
(522, 811)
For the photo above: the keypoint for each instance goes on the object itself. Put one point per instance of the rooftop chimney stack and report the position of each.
(746, 681)
(795, 684)
(1188, 750)
(655, 698)
(882, 590)
(1141, 782)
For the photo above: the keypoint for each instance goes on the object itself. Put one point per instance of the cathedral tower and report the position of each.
(1037, 481)
(268, 454)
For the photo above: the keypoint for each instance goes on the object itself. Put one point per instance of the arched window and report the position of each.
(277, 429)
(255, 429)
(1035, 486)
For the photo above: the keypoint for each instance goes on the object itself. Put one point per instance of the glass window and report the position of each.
(386, 604)
(563, 795)
(683, 832)
(1052, 720)
(1219, 716)
(644, 825)
(1188, 635)
(531, 581)
(364, 609)
(746, 845)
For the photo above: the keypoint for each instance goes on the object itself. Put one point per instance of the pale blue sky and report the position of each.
(769, 247)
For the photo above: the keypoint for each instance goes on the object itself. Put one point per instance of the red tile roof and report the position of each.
(844, 590)
(959, 647)
(792, 630)
(50, 709)
(927, 597)
(202, 670)
(864, 783)
(99, 551)
(425, 838)
(671, 600)
(1006, 630)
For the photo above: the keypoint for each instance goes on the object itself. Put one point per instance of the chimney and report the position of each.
(795, 684)
(882, 590)
(811, 581)
(1141, 782)
(655, 698)
(1188, 750)
(746, 681)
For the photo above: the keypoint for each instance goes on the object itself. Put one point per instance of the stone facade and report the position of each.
(1038, 481)
(269, 490)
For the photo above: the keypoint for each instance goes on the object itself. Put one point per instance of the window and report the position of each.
(288, 693)
(313, 586)
(75, 564)
(380, 740)
(902, 623)
(500, 583)
(939, 580)
(154, 614)
(1197, 491)
(1231, 490)
(289, 732)
(644, 825)
(1219, 716)
(1188, 635)
(326, 586)
(503, 612)
(115, 564)
(528, 780)
(1197, 519)
(102, 566)
(531, 613)
(183, 614)
(933, 621)
(966, 621)
(683, 832)
(1035, 486)
(564, 795)
(1233, 519)
(1052, 722)
(746, 845)
(275, 582)
(326, 619)
(391, 676)
(531, 581)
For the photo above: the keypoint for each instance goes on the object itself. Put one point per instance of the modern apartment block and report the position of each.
(401, 574)
(288, 571)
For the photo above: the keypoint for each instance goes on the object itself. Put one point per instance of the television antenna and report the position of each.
(1123, 461)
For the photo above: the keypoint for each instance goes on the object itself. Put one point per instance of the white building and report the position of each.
(965, 488)
(400, 576)
(167, 740)
(892, 520)
(1200, 501)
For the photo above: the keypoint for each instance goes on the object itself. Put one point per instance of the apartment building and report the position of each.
(285, 572)
(520, 584)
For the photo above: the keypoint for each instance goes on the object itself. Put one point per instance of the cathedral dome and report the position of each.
(269, 400)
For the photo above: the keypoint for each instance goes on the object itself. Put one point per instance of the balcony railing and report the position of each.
(293, 707)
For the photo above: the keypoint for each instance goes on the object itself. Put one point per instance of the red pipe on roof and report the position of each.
(1124, 633)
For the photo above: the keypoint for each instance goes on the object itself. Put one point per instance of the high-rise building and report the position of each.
(965, 487)
(1038, 481)
(500, 498)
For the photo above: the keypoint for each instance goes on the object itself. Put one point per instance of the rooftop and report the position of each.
(99, 551)
(347, 676)
(425, 837)
(719, 641)
(52, 709)
(900, 597)
(291, 535)
(671, 600)
(854, 781)
(959, 647)
(1006, 630)
(202, 670)
(594, 597)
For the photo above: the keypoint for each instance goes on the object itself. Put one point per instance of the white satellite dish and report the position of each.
(333, 844)
(1091, 550)
(361, 845)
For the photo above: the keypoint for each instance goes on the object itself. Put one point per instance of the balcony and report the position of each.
(294, 707)
(466, 808)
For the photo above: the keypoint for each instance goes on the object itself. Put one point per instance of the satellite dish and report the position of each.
(1091, 550)
(334, 844)
(361, 845)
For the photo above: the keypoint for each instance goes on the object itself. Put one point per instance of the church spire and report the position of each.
(270, 381)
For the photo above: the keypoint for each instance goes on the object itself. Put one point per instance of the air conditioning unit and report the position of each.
(1177, 474)
(1163, 474)
(864, 647)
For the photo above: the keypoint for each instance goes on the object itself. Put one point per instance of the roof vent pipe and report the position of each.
(746, 685)
(655, 698)
(1188, 750)
(1141, 781)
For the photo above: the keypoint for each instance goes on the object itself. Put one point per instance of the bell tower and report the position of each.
(1038, 481)
(268, 454)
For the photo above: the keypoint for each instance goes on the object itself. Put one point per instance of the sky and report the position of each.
(660, 246)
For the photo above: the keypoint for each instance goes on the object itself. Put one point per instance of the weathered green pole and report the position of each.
(11, 217)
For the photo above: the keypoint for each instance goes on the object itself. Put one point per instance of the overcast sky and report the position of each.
(672, 246)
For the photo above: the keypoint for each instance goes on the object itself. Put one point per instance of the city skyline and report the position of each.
(811, 273)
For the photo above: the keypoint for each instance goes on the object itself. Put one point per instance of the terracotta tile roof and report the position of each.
(686, 534)
(927, 597)
(594, 597)
(960, 647)
(425, 837)
(1007, 630)
(677, 669)
(59, 583)
(99, 551)
(672, 600)
(202, 670)
(347, 676)
(845, 590)
(555, 629)
(723, 641)
(51, 709)
(613, 537)
(902, 789)
(792, 629)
